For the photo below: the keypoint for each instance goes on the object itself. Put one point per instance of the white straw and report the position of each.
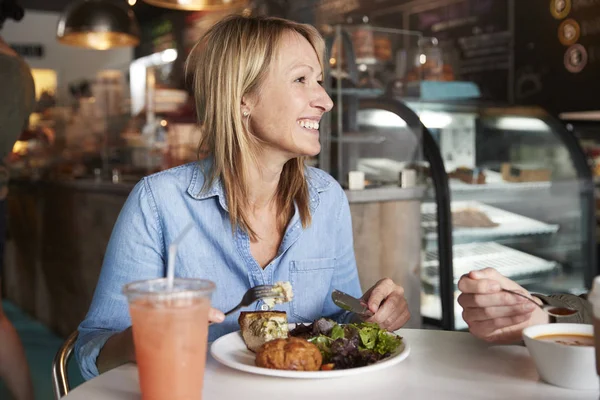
(173, 253)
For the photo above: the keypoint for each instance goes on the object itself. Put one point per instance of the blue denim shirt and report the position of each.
(315, 260)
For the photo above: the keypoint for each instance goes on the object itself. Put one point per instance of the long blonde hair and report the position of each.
(230, 61)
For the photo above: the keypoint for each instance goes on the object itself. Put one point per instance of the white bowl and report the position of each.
(572, 367)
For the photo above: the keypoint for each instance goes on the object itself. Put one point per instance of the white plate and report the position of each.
(230, 350)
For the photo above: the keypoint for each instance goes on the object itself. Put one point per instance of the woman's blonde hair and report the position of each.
(230, 61)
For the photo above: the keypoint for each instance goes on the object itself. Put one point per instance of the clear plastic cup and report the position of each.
(594, 298)
(170, 334)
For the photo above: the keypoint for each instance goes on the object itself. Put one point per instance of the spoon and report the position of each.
(550, 310)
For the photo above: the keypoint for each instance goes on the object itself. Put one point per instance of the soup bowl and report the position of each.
(561, 364)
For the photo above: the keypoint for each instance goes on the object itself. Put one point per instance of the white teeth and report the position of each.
(309, 124)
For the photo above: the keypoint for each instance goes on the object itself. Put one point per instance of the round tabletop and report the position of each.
(441, 364)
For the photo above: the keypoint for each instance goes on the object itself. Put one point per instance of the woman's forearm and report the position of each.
(117, 350)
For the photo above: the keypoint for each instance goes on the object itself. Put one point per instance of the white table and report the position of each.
(441, 365)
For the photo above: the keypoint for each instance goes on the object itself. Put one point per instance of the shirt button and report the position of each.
(264, 307)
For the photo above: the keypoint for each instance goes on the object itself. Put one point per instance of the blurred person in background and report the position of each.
(17, 100)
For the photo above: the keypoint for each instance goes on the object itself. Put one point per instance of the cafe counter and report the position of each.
(58, 232)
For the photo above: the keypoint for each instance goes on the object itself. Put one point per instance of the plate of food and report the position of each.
(267, 345)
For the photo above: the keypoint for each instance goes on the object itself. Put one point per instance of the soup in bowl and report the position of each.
(564, 354)
(568, 340)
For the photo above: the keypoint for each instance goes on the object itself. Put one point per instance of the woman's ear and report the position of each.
(249, 100)
(246, 105)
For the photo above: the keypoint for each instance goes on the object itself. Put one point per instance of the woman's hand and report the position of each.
(495, 315)
(387, 303)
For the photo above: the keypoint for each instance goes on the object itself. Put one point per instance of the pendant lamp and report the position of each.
(198, 5)
(98, 24)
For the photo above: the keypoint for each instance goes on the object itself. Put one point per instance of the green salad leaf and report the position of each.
(337, 332)
(368, 333)
(349, 345)
(322, 342)
(386, 343)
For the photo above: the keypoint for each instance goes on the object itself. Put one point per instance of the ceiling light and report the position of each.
(198, 5)
(98, 24)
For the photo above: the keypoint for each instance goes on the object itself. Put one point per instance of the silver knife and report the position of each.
(349, 303)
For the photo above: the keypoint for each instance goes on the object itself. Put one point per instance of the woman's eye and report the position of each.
(320, 83)
(300, 80)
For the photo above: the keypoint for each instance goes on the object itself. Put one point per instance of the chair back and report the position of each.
(60, 380)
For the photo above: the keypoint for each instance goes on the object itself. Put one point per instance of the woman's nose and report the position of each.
(322, 100)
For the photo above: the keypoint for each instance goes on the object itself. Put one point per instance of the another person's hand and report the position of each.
(495, 315)
(387, 303)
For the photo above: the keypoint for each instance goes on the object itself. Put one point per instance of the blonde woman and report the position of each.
(261, 216)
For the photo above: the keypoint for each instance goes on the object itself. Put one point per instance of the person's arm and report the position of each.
(16, 81)
(135, 252)
(117, 350)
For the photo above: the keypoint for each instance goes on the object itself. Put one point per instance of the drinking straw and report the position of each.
(173, 253)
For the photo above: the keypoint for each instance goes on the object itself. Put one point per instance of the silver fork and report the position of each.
(254, 294)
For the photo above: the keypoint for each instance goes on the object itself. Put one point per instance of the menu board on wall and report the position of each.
(475, 40)
(557, 54)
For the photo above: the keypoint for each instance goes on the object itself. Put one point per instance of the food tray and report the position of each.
(509, 224)
(511, 263)
(494, 181)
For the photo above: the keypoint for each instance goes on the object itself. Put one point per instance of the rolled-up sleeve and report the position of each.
(345, 276)
(135, 252)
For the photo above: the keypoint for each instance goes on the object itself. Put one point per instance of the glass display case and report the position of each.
(522, 200)
(585, 126)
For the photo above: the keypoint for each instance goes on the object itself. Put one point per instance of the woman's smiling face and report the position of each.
(286, 111)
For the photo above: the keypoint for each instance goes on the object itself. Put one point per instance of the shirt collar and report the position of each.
(197, 183)
(317, 183)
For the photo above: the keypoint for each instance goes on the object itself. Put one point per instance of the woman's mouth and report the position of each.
(309, 124)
